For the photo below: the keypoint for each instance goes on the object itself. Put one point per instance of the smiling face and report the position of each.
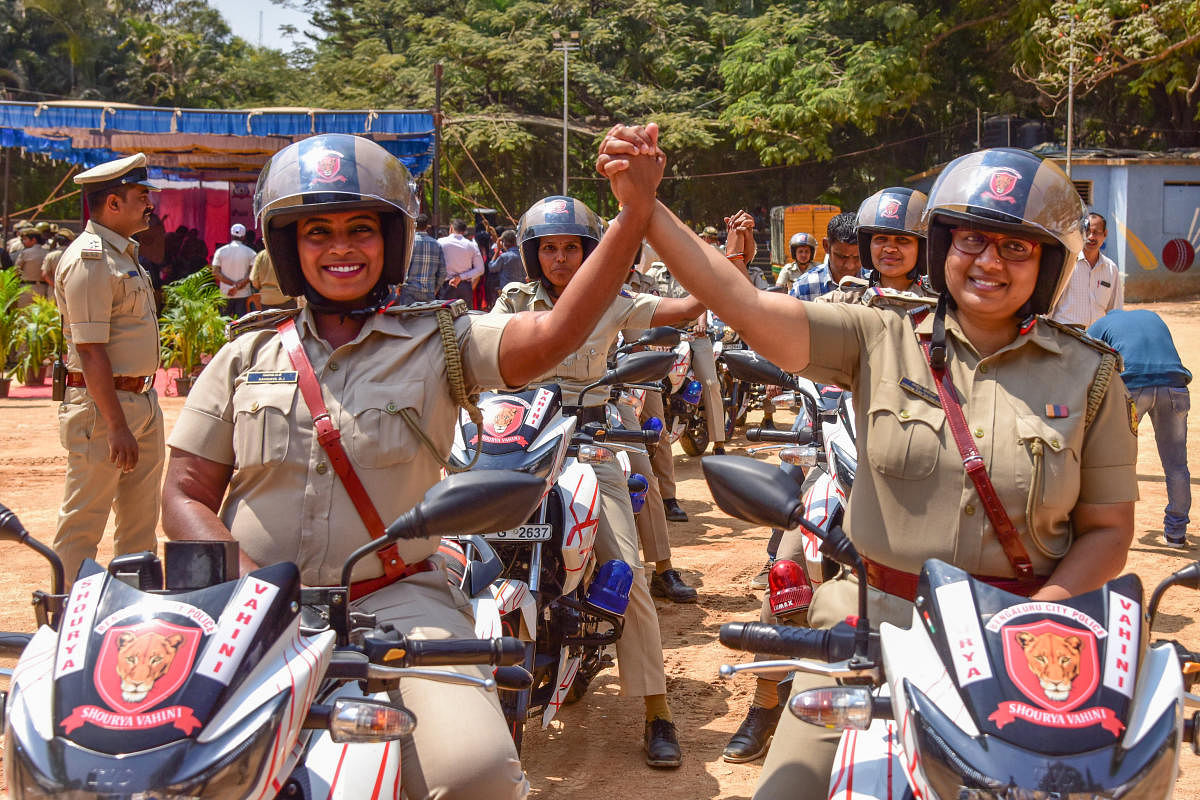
(341, 254)
(988, 287)
(560, 257)
(894, 255)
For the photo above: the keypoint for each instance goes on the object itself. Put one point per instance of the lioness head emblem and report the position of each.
(142, 659)
(503, 418)
(1054, 661)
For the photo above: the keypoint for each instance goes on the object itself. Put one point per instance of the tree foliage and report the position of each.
(770, 101)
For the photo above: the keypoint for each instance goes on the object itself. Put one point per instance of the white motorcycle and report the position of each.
(539, 580)
(144, 684)
(987, 695)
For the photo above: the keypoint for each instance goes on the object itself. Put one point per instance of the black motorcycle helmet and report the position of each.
(334, 172)
(556, 216)
(1011, 191)
(895, 210)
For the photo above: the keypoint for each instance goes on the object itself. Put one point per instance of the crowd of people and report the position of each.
(954, 293)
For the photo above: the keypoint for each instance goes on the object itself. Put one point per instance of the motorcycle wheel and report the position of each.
(516, 726)
(695, 439)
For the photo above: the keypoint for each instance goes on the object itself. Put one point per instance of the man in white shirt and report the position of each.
(1097, 285)
(464, 263)
(231, 267)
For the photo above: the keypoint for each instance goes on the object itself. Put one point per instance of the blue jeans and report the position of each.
(1168, 409)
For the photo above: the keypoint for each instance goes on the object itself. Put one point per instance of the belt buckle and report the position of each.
(147, 384)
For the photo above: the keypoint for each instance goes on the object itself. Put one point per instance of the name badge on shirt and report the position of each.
(917, 390)
(271, 377)
(1106, 284)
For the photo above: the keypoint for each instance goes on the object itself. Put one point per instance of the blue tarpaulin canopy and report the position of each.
(191, 143)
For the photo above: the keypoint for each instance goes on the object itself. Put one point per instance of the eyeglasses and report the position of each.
(973, 242)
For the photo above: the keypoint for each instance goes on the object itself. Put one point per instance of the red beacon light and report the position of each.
(791, 591)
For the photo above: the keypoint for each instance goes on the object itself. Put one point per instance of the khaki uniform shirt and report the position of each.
(29, 263)
(851, 290)
(106, 298)
(285, 502)
(589, 362)
(667, 285)
(790, 272)
(912, 499)
(50, 264)
(262, 276)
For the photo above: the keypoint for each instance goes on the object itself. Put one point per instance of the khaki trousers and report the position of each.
(437, 760)
(663, 460)
(651, 521)
(94, 485)
(801, 754)
(639, 650)
(704, 364)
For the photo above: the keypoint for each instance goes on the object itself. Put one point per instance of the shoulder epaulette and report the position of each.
(879, 296)
(1098, 345)
(457, 308)
(257, 321)
(91, 246)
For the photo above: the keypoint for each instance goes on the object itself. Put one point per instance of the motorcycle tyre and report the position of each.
(516, 727)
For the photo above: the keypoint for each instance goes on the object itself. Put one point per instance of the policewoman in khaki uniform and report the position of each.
(555, 235)
(891, 244)
(338, 212)
(1042, 404)
(109, 422)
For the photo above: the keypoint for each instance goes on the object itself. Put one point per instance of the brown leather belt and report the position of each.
(363, 588)
(904, 584)
(124, 383)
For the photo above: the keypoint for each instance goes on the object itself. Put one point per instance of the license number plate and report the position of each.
(536, 532)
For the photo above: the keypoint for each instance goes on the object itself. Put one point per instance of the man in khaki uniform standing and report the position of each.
(110, 422)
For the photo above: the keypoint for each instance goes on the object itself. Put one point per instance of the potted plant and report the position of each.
(10, 291)
(191, 325)
(39, 333)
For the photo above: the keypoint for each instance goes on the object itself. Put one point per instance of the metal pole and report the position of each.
(978, 128)
(1071, 95)
(437, 147)
(565, 55)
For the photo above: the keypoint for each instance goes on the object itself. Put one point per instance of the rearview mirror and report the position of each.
(746, 365)
(640, 368)
(753, 490)
(662, 336)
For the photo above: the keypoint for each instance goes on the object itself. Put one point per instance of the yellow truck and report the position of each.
(786, 221)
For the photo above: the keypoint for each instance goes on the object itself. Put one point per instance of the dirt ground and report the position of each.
(594, 747)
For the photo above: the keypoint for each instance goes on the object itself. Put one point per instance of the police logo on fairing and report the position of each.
(1001, 183)
(889, 208)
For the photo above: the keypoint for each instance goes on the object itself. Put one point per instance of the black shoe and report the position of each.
(662, 746)
(674, 512)
(670, 585)
(754, 736)
(718, 449)
(767, 424)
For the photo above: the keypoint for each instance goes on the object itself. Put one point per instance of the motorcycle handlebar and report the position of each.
(501, 651)
(760, 435)
(623, 436)
(835, 644)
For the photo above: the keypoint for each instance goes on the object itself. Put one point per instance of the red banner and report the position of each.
(1010, 710)
(179, 716)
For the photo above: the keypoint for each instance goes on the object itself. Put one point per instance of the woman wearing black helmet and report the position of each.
(891, 244)
(802, 246)
(1042, 405)
(338, 212)
(555, 235)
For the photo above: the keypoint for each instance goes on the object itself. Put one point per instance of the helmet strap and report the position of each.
(364, 307)
(937, 349)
